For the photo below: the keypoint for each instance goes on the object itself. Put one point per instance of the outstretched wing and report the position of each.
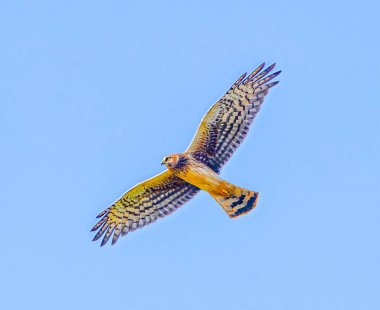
(143, 204)
(226, 124)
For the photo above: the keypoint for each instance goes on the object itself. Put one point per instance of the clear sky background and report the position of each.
(94, 93)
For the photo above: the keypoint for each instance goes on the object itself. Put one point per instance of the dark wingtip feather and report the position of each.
(270, 68)
(96, 237)
(102, 213)
(263, 73)
(239, 80)
(259, 68)
(104, 241)
(114, 240)
(98, 224)
(272, 84)
(117, 233)
(254, 72)
(101, 231)
(266, 79)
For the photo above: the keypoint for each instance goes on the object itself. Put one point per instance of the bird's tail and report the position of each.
(236, 201)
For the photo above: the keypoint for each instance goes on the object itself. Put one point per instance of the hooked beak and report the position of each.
(162, 163)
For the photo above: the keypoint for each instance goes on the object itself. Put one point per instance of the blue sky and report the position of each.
(93, 94)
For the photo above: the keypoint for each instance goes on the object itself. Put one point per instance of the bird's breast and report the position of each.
(200, 176)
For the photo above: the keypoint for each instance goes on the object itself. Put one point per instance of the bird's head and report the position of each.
(173, 161)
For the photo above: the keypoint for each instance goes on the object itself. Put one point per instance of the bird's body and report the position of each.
(199, 175)
(220, 133)
(233, 199)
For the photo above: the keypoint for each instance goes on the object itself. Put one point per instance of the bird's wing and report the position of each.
(227, 122)
(143, 204)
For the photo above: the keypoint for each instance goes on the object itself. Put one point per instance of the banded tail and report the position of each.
(236, 201)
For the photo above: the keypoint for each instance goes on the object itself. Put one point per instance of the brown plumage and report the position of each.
(219, 134)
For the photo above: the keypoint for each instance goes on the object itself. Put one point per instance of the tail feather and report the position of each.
(237, 202)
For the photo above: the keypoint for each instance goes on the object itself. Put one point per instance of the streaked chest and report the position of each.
(200, 175)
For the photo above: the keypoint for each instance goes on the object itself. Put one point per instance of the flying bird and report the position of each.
(219, 134)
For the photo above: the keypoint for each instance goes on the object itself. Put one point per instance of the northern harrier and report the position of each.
(219, 134)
